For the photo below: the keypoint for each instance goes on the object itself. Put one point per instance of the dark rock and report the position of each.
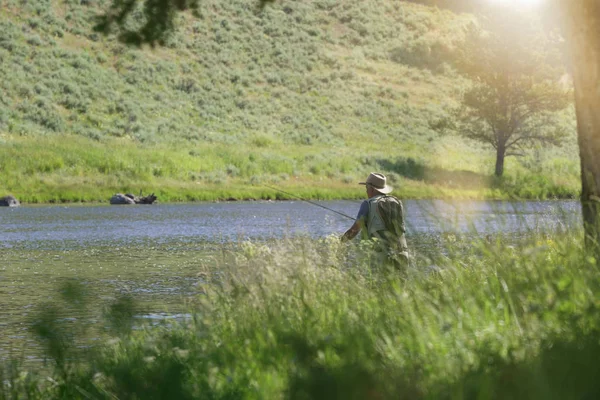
(120, 198)
(129, 198)
(9, 201)
(151, 198)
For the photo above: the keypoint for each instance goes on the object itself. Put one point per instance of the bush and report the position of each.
(308, 318)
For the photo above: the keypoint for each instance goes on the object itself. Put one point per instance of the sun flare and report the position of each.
(518, 3)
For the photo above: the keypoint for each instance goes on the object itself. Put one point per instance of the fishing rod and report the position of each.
(310, 202)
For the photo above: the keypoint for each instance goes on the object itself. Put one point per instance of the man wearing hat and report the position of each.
(381, 218)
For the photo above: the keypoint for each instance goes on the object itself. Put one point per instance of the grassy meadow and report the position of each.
(311, 96)
(320, 319)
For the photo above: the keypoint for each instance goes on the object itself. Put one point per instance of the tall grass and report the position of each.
(306, 319)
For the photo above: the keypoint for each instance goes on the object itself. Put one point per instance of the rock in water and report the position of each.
(9, 201)
(120, 198)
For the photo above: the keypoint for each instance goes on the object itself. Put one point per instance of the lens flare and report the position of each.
(518, 3)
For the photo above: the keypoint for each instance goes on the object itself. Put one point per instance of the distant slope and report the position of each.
(298, 72)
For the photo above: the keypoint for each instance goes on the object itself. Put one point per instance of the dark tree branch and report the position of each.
(159, 19)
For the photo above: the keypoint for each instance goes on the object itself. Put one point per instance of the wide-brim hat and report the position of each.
(378, 182)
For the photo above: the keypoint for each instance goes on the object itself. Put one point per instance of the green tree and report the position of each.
(515, 95)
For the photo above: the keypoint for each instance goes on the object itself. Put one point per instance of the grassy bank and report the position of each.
(67, 168)
(314, 319)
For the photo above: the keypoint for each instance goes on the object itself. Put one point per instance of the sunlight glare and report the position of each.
(517, 3)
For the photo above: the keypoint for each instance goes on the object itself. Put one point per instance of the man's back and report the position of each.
(391, 212)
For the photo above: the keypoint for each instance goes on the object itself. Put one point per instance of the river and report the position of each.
(80, 226)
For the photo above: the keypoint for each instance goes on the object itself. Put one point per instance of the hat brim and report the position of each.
(384, 190)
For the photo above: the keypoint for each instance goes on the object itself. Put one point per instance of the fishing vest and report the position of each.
(385, 221)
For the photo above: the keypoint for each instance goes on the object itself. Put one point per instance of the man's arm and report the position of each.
(358, 224)
(352, 232)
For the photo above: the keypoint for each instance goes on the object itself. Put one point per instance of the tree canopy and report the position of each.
(515, 91)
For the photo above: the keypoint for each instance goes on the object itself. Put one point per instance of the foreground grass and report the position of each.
(317, 320)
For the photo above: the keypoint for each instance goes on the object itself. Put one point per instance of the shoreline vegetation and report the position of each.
(231, 192)
(318, 319)
(260, 194)
(93, 195)
(71, 169)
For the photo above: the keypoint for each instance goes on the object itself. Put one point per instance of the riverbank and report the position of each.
(233, 192)
(85, 194)
(68, 169)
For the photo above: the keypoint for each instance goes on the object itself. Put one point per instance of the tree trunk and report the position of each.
(582, 20)
(500, 154)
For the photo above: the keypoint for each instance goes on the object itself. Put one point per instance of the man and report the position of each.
(381, 219)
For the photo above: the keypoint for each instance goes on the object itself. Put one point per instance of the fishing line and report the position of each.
(310, 202)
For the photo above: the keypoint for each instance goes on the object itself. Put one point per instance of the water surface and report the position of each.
(76, 226)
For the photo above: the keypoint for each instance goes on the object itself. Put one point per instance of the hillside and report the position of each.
(311, 95)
